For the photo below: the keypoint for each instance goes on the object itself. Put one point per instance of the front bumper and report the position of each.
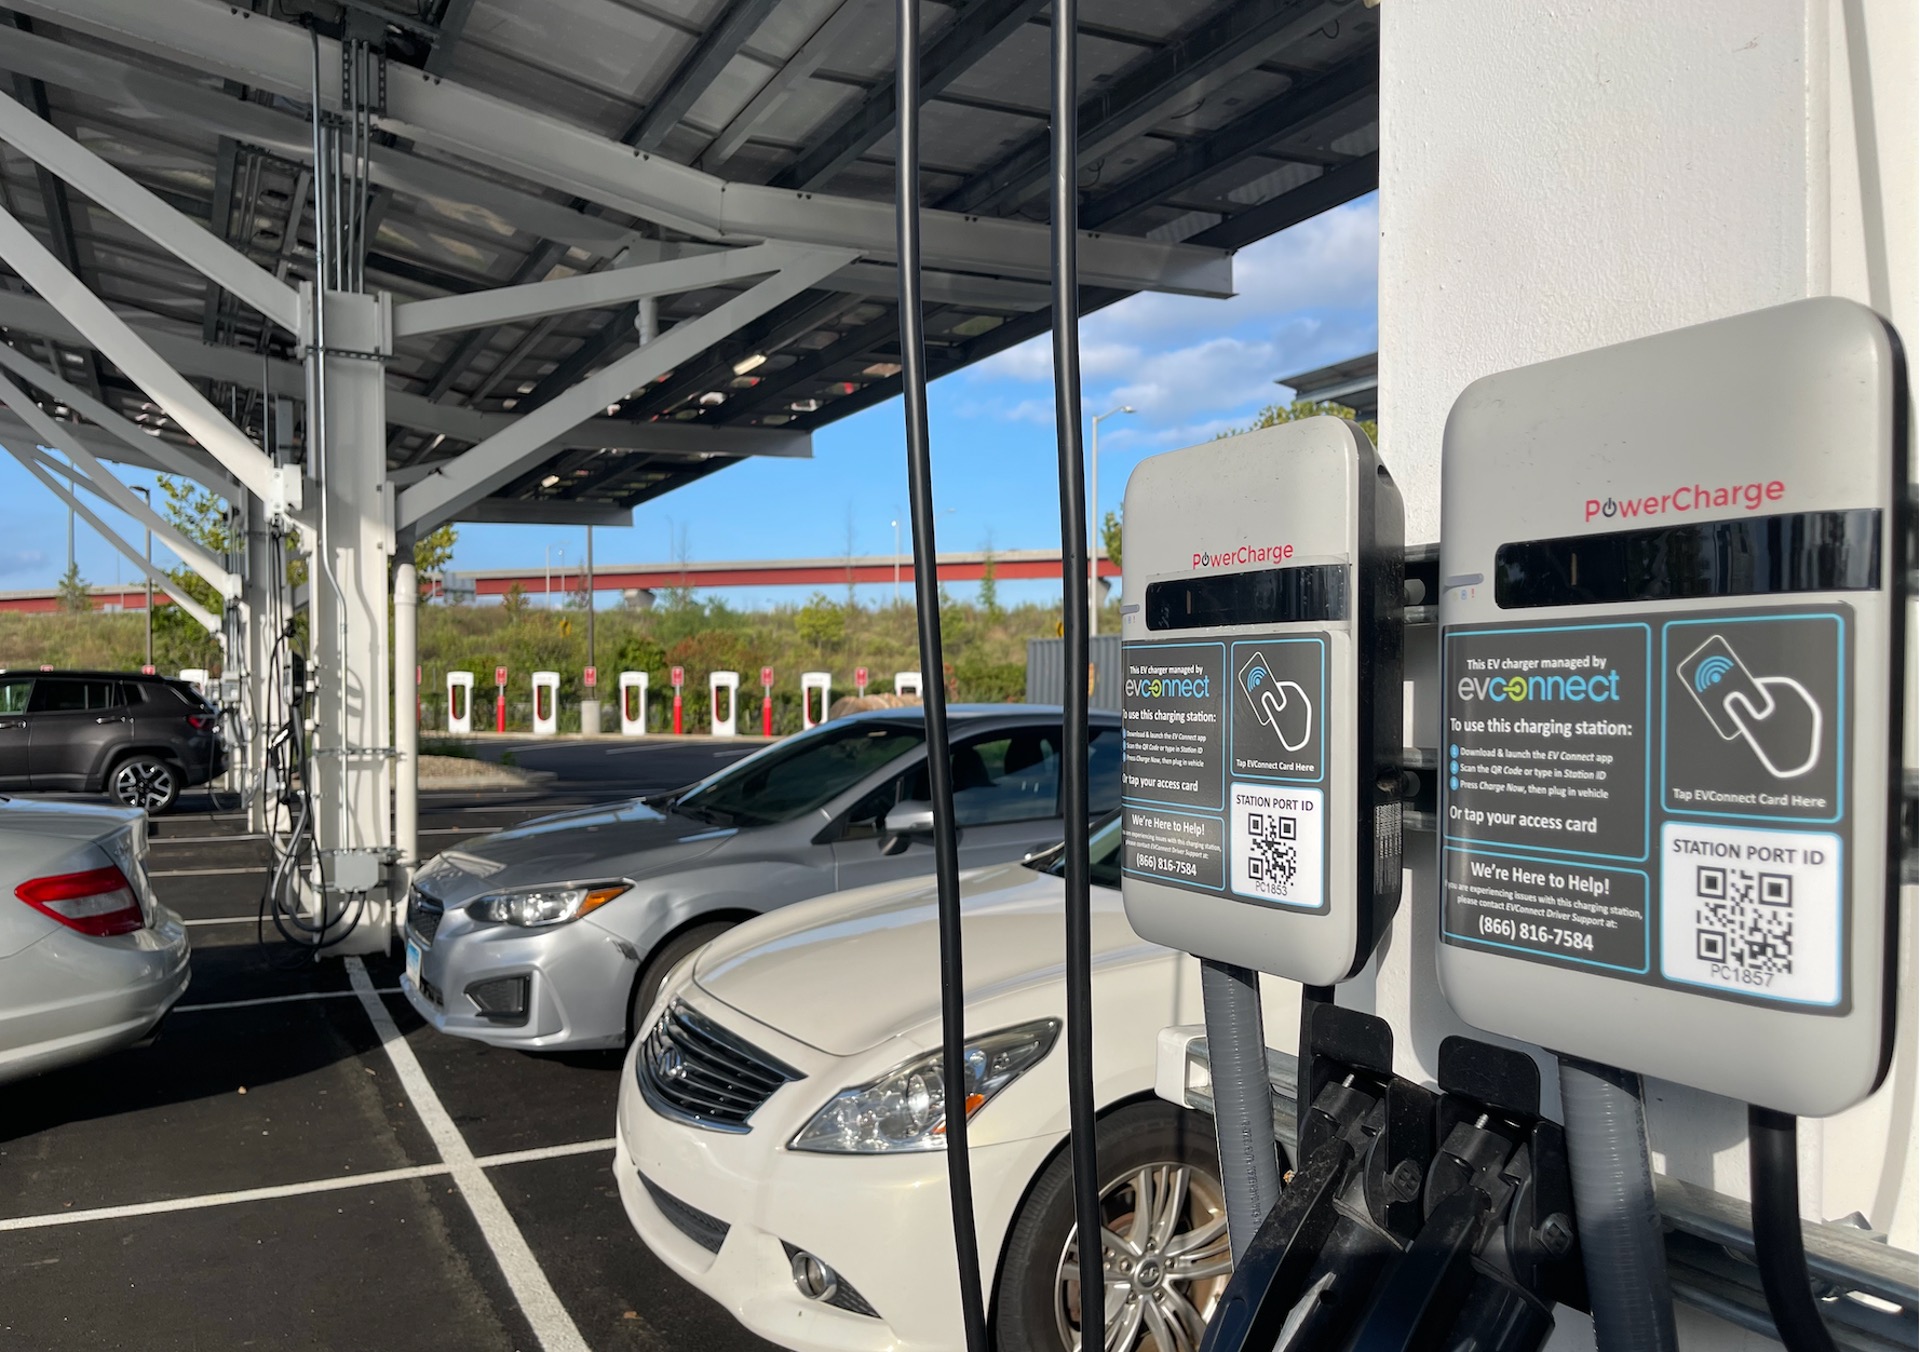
(579, 979)
(881, 1221)
(71, 997)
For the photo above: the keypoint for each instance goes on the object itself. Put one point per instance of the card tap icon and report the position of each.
(1777, 717)
(1280, 704)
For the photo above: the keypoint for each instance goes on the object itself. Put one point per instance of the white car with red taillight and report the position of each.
(90, 961)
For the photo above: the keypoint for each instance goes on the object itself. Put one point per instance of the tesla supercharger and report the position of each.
(1261, 699)
(460, 701)
(728, 681)
(816, 696)
(907, 683)
(633, 704)
(1672, 645)
(546, 703)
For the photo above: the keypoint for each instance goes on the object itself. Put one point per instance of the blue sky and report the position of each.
(1190, 367)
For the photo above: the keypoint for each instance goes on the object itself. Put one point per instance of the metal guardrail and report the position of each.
(1872, 1300)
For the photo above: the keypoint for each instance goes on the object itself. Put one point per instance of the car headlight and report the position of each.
(905, 1109)
(532, 907)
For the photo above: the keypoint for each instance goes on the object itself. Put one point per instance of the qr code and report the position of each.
(1272, 859)
(1744, 920)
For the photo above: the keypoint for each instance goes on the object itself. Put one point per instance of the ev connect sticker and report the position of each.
(1224, 779)
(1660, 801)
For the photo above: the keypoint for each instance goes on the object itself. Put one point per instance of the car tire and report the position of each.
(646, 986)
(1172, 1267)
(144, 781)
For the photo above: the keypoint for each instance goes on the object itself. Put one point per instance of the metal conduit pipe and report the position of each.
(1242, 1098)
(1620, 1240)
(406, 724)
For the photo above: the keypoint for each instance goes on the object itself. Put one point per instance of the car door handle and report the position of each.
(113, 720)
(9, 725)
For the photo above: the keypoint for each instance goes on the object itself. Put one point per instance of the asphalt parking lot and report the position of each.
(297, 1163)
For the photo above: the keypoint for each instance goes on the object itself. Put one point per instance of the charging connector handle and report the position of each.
(1773, 1177)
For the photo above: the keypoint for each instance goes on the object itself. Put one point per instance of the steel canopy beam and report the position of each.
(828, 38)
(541, 148)
(205, 253)
(980, 27)
(1354, 179)
(124, 348)
(702, 66)
(1237, 41)
(476, 473)
(588, 291)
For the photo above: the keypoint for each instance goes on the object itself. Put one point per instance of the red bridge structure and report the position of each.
(645, 579)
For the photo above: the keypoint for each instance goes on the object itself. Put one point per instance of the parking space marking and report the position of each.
(204, 872)
(205, 840)
(539, 1303)
(546, 1152)
(226, 920)
(280, 999)
(115, 1213)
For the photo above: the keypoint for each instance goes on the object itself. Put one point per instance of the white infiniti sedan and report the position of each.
(780, 1127)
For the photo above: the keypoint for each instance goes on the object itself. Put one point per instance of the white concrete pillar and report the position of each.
(633, 704)
(728, 681)
(546, 703)
(816, 688)
(406, 724)
(459, 701)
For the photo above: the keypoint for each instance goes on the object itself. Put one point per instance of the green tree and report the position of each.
(515, 601)
(821, 623)
(1110, 537)
(990, 588)
(1273, 415)
(76, 597)
(433, 551)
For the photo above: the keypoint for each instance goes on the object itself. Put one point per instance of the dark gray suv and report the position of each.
(140, 739)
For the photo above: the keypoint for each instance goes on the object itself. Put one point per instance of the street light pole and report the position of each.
(896, 561)
(1093, 519)
(147, 493)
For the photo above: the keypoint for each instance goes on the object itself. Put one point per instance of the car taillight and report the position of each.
(99, 901)
(199, 722)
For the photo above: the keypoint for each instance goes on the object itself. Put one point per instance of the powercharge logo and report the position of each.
(1692, 498)
(1242, 556)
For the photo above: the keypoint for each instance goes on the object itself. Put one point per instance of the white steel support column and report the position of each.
(352, 520)
(406, 724)
(258, 582)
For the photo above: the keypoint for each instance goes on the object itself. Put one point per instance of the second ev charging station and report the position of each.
(1672, 614)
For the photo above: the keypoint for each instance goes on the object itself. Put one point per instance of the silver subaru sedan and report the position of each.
(90, 961)
(557, 934)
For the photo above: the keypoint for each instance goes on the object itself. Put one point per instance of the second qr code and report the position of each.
(1277, 845)
(1752, 911)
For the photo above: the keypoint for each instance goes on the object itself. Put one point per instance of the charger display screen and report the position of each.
(1311, 593)
(1750, 556)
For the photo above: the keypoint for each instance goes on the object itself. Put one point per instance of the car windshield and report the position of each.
(799, 775)
(1103, 856)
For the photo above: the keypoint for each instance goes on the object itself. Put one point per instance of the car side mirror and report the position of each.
(904, 822)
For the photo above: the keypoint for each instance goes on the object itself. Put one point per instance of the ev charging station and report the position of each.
(546, 703)
(1261, 700)
(1672, 643)
(729, 682)
(816, 697)
(460, 701)
(633, 703)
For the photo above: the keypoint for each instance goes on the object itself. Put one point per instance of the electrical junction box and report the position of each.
(1261, 622)
(1672, 637)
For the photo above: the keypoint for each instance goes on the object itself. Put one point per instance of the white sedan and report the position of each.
(780, 1128)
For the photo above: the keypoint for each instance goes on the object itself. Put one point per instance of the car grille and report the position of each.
(709, 1232)
(423, 916)
(696, 1071)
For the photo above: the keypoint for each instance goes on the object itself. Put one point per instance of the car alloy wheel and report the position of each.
(1165, 1252)
(144, 783)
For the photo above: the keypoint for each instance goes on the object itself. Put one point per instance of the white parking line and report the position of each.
(340, 1184)
(203, 872)
(225, 920)
(204, 840)
(551, 1323)
(280, 999)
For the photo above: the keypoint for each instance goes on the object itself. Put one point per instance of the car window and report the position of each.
(132, 692)
(65, 695)
(1103, 772)
(799, 775)
(1001, 777)
(14, 694)
(1103, 857)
